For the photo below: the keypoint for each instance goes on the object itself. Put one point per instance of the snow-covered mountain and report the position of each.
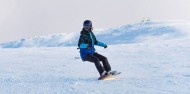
(133, 33)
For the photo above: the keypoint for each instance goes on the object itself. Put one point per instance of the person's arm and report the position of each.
(102, 44)
(98, 43)
(81, 43)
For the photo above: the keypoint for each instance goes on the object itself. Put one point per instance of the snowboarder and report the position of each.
(86, 44)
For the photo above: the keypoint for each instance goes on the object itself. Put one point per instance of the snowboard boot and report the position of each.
(114, 72)
(104, 73)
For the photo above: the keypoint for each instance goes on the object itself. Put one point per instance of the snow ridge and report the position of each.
(132, 33)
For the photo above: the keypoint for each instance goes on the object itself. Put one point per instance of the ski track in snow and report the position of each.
(147, 68)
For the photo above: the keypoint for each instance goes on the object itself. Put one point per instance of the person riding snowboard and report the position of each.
(86, 44)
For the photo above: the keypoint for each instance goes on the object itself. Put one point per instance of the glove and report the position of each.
(89, 47)
(105, 46)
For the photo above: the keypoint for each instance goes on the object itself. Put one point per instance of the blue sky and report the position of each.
(29, 18)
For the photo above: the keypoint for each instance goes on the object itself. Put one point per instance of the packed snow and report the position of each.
(153, 58)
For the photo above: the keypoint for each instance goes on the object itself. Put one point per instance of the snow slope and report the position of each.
(134, 33)
(154, 64)
(161, 68)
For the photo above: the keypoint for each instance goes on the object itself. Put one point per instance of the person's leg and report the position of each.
(104, 61)
(96, 61)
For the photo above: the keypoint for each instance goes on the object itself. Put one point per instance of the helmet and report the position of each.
(87, 23)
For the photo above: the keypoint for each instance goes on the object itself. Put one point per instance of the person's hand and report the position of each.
(105, 46)
(88, 47)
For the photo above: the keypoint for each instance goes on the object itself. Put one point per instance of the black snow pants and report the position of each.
(96, 58)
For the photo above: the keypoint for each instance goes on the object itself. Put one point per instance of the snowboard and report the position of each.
(112, 76)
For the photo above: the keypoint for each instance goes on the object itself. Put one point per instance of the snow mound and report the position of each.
(56, 40)
(146, 31)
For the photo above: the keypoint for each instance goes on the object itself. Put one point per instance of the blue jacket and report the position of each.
(86, 43)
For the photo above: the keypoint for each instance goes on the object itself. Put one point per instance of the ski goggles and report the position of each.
(87, 25)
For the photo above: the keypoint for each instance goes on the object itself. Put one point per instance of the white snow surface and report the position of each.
(153, 58)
